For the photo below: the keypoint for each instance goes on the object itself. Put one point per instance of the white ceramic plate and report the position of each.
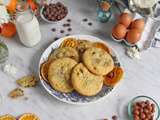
(74, 97)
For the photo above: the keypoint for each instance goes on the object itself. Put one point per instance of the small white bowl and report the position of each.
(46, 20)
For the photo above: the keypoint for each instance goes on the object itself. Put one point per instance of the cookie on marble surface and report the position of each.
(59, 74)
(98, 61)
(84, 82)
(65, 52)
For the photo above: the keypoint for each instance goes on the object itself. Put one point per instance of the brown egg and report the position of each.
(125, 19)
(119, 31)
(138, 24)
(133, 36)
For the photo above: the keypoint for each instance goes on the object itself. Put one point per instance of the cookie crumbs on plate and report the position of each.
(17, 92)
(27, 81)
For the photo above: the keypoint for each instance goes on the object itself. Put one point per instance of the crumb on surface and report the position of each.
(15, 93)
(27, 81)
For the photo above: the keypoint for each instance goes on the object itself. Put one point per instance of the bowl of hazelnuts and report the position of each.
(53, 12)
(143, 108)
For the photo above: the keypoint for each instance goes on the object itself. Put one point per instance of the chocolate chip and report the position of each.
(67, 34)
(69, 29)
(61, 31)
(68, 20)
(53, 29)
(56, 38)
(68, 25)
(114, 117)
(85, 20)
(64, 25)
(90, 24)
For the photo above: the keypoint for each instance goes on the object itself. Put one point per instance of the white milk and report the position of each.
(28, 29)
(145, 3)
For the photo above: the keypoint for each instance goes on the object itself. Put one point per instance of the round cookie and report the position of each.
(83, 45)
(65, 52)
(98, 61)
(84, 82)
(59, 74)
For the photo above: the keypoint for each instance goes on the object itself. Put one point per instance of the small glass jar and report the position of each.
(27, 26)
(146, 9)
(104, 12)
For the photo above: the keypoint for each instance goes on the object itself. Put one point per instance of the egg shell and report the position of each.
(119, 31)
(125, 19)
(133, 36)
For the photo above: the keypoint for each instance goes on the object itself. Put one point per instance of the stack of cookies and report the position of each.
(82, 66)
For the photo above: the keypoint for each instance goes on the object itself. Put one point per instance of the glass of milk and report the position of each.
(27, 26)
(144, 7)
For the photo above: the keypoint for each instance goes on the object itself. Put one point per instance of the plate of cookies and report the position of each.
(79, 69)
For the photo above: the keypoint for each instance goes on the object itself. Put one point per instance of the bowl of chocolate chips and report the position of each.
(143, 108)
(53, 12)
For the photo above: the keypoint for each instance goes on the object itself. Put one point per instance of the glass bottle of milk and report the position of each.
(27, 26)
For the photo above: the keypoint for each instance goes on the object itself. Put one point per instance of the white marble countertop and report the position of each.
(141, 76)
